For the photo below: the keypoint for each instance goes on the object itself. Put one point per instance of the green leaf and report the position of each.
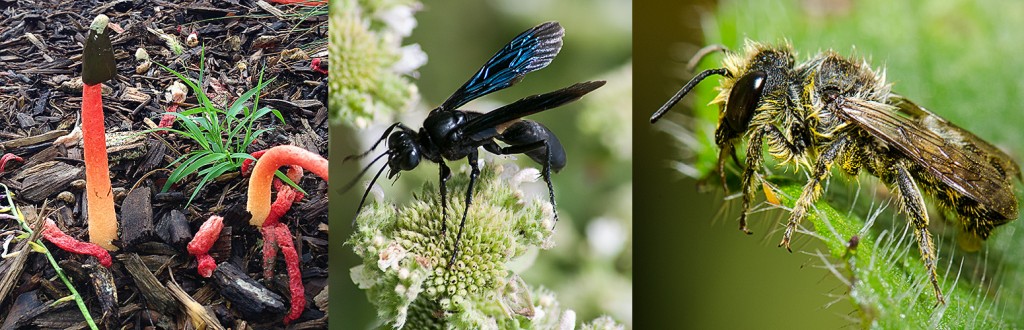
(208, 175)
(207, 159)
(288, 181)
(179, 172)
(239, 103)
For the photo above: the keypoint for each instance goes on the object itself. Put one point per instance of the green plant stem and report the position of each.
(67, 282)
(53, 262)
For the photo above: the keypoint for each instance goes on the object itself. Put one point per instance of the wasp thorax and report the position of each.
(405, 153)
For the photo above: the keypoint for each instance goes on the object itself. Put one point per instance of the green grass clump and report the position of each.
(223, 135)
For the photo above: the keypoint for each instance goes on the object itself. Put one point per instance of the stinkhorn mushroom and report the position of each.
(203, 241)
(276, 235)
(54, 235)
(263, 174)
(319, 66)
(283, 239)
(97, 67)
(175, 94)
(9, 157)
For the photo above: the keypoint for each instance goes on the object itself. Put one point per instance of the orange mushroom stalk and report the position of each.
(263, 174)
(97, 67)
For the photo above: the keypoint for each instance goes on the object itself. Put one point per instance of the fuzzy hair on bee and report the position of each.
(832, 111)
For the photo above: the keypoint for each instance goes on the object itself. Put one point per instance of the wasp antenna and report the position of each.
(367, 191)
(356, 179)
(686, 90)
(387, 132)
(702, 53)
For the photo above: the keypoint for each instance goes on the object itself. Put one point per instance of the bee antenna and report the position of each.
(686, 90)
(702, 53)
(356, 179)
(367, 192)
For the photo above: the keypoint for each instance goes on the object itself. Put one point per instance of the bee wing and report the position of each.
(935, 147)
(996, 156)
(485, 126)
(531, 50)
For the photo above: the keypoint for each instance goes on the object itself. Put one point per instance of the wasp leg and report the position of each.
(473, 164)
(813, 189)
(537, 142)
(444, 175)
(537, 145)
(913, 205)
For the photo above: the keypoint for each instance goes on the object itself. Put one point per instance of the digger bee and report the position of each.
(833, 110)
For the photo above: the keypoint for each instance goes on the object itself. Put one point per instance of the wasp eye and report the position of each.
(743, 100)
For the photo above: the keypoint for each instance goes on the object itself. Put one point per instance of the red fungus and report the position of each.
(97, 67)
(276, 235)
(201, 243)
(291, 260)
(54, 235)
(286, 195)
(317, 65)
(263, 173)
(167, 120)
(176, 93)
(9, 157)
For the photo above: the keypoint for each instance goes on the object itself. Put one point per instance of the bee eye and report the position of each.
(743, 100)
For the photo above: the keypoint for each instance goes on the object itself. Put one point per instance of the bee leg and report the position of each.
(726, 149)
(473, 164)
(443, 181)
(913, 205)
(754, 158)
(813, 189)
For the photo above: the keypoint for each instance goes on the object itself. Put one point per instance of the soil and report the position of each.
(40, 58)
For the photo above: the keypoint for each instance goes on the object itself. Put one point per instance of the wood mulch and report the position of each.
(40, 51)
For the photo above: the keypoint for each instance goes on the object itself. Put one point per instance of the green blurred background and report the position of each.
(595, 186)
(695, 269)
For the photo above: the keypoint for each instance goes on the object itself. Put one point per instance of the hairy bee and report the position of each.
(833, 110)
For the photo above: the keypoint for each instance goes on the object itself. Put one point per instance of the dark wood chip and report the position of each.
(253, 300)
(136, 217)
(173, 229)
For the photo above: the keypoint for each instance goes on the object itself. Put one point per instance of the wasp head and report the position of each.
(404, 152)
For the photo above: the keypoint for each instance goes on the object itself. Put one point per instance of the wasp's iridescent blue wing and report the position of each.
(486, 125)
(529, 51)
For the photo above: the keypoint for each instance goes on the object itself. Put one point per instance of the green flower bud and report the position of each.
(368, 66)
(412, 264)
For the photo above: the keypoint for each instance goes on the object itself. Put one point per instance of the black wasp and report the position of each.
(452, 134)
(836, 111)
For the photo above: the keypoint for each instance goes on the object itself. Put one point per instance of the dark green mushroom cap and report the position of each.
(98, 56)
